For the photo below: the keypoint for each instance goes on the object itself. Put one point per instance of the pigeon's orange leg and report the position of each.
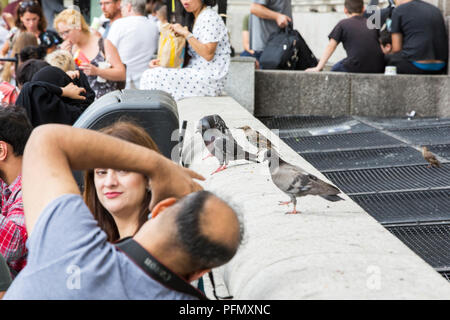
(284, 203)
(293, 211)
(221, 168)
(208, 156)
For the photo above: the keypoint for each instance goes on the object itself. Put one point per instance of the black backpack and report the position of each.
(287, 50)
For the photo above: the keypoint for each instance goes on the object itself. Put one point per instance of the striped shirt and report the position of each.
(13, 234)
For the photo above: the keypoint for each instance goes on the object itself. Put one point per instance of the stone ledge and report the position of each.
(280, 92)
(330, 251)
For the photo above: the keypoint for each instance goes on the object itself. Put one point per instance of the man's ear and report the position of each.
(162, 205)
(3, 150)
(196, 275)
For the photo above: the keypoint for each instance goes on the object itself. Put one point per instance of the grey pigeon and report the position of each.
(220, 142)
(256, 138)
(296, 182)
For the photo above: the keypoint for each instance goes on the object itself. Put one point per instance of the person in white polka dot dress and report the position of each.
(209, 48)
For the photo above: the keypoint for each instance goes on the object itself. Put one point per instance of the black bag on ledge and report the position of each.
(287, 50)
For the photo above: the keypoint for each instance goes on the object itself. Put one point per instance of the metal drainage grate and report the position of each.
(407, 207)
(446, 275)
(390, 179)
(430, 242)
(442, 150)
(301, 122)
(347, 127)
(341, 141)
(404, 123)
(422, 136)
(359, 159)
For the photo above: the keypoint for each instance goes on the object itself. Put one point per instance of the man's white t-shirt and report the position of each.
(136, 38)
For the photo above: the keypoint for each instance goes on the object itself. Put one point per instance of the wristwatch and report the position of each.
(190, 35)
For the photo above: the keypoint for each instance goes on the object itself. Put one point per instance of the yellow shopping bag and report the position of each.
(171, 48)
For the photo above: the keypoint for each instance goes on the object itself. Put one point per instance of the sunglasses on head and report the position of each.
(28, 3)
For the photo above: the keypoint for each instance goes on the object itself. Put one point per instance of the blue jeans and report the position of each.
(339, 67)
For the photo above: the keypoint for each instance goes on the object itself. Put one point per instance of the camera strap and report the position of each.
(154, 269)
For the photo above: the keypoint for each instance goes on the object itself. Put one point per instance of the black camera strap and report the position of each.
(154, 269)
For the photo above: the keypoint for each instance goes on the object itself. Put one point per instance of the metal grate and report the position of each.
(430, 242)
(442, 150)
(390, 179)
(347, 127)
(404, 123)
(423, 136)
(301, 122)
(341, 141)
(407, 207)
(369, 158)
(446, 275)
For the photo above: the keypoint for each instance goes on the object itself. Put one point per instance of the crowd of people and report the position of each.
(132, 194)
(411, 36)
(52, 73)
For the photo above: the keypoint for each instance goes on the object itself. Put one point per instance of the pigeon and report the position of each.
(256, 138)
(430, 158)
(220, 142)
(296, 182)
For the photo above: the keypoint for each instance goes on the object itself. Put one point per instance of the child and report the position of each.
(364, 54)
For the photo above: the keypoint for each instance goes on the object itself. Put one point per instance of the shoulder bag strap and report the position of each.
(154, 269)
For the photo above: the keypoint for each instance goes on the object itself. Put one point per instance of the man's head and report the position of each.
(200, 231)
(111, 9)
(15, 129)
(353, 7)
(133, 7)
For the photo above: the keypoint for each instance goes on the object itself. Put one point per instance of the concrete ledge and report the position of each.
(330, 251)
(241, 82)
(334, 94)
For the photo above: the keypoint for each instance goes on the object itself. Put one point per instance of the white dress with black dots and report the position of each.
(200, 77)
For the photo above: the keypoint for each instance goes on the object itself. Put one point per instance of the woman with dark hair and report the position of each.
(30, 17)
(120, 199)
(209, 51)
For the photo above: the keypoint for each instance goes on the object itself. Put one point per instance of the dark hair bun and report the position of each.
(210, 3)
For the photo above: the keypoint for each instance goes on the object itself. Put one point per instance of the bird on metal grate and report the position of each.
(430, 158)
(220, 142)
(296, 182)
(256, 138)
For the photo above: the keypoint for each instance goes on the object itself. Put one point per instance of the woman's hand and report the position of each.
(67, 46)
(73, 74)
(73, 92)
(153, 63)
(89, 69)
(179, 30)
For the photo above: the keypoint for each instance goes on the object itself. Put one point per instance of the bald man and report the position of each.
(190, 232)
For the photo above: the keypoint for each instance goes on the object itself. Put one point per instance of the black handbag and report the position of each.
(287, 50)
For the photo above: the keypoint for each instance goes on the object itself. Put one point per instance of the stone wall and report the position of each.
(335, 94)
